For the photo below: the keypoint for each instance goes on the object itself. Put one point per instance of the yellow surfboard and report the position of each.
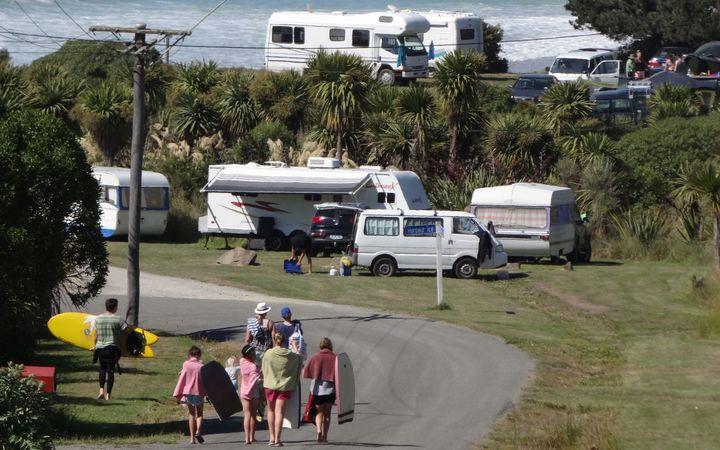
(78, 329)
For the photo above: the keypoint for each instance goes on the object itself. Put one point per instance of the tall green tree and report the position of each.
(416, 107)
(565, 104)
(239, 112)
(662, 22)
(457, 82)
(51, 249)
(340, 84)
(704, 180)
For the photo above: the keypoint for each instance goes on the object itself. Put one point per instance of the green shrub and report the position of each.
(90, 61)
(270, 130)
(24, 411)
(653, 156)
(455, 195)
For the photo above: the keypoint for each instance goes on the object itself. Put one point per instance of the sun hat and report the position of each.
(285, 312)
(262, 308)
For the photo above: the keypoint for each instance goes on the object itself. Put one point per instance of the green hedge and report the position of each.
(653, 156)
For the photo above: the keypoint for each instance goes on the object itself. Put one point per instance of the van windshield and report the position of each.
(570, 65)
(513, 217)
(413, 45)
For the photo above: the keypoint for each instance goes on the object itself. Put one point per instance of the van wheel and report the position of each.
(384, 267)
(386, 77)
(276, 242)
(466, 268)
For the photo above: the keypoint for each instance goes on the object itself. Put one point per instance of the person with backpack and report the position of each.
(259, 331)
(293, 332)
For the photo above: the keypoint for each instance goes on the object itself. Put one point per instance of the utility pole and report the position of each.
(167, 50)
(139, 47)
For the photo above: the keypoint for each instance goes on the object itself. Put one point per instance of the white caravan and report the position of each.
(450, 31)
(534, 220)
(115, 200)
(590, 64)
(294, 37)
(274, 202)
(390, 240)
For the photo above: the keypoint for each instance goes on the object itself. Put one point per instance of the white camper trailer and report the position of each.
(294, 37)
(534, 220)
(115, 200)
(450, 31)
(274, 202)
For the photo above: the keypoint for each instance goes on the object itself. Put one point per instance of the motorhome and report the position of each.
(450, 31)
(274, 202)
(390, 240)
(534, 220)
(388, 41)
(597, 65)
(114, 185)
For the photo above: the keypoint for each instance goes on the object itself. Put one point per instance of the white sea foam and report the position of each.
(244, 24)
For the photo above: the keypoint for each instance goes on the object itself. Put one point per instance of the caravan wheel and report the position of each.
(276, 242)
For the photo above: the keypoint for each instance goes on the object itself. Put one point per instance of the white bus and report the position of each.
(450, 31)
(115, 200)
(294, 37)
(274, 202)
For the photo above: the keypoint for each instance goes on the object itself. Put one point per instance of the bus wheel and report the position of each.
(386, 77)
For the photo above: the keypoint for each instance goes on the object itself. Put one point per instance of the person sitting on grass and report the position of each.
(301, 247)
(190, 391)
(108, 333)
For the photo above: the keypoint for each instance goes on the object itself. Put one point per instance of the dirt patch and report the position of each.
(575, 300)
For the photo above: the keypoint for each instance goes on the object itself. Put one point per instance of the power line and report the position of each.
(57, 2)
(37, 25)
(25, 40)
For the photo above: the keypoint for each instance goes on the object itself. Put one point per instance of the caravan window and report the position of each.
(299, 35)
(513, 217)
(382, 226)
(109, 194)
(361, 38)
(384, 197)
(282, 35)
(313, 197)
(389, 44)
(467, 34)
(337, 34)
(563, 215)
(152, 198)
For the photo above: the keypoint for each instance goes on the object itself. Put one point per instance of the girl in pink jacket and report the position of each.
(190, 391)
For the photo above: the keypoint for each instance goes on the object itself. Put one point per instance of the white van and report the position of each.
(390, 240)
(115, 200)
(274, 202)
(534, 220)
(599, 66)
(294, 37)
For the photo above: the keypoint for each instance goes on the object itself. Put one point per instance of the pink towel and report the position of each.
(189, 382)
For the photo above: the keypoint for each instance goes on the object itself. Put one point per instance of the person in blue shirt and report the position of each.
(288, 326)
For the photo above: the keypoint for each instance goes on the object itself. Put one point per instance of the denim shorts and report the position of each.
(194, 400)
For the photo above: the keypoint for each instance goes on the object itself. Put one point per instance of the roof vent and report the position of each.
(318, 162)
(275, 164)
(386, 19)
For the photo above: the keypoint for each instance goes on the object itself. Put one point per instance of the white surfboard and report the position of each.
(345, 386)
(292, 409)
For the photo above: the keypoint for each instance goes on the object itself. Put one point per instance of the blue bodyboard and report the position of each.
(291, 266)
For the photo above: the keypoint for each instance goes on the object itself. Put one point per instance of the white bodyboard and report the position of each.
(292, 409)
(345, 384)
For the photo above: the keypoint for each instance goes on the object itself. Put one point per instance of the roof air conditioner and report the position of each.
(318, 162)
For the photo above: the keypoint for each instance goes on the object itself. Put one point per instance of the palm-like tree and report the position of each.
(566, 103)
(238, 110)
(393, 145)
(704, 181)
(457, 82)
(673, 101)
(104, 111)
(198, 77)
(195, 116)
(54, 96)
(416, 107)
(339, 83)
(291, 100)
(521, 145)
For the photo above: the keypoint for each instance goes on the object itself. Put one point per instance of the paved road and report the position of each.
(420, 383)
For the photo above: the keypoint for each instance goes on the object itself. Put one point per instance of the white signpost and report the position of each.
(439, 275)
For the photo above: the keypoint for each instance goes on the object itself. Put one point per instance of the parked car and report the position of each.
(533, 220)
(390, 240)
(620, 103)
(532, 86)
(332, 225)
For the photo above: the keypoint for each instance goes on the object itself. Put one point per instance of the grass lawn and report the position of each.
(622, 360)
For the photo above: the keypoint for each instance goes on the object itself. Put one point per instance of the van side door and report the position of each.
(419, 247)
(463, 240)
(607, 74)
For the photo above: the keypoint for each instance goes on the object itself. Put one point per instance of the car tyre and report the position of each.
(384, 267)
(466, 268)
(386, 77)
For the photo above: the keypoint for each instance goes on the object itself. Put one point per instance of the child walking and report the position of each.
(190, 391)
(249, 391)
(232, 370)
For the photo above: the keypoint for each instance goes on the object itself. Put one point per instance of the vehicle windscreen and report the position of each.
(533, 83)
(413, 45)
(513, 217)
(569, 65)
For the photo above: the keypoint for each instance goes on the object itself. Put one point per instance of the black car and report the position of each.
(332, 226)
(532, 86)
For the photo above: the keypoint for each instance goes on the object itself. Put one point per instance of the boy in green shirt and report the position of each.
(108, 333)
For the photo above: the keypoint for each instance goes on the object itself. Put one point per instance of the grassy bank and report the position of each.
(622, 357)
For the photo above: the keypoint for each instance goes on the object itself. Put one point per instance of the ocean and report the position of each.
(243, 23)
